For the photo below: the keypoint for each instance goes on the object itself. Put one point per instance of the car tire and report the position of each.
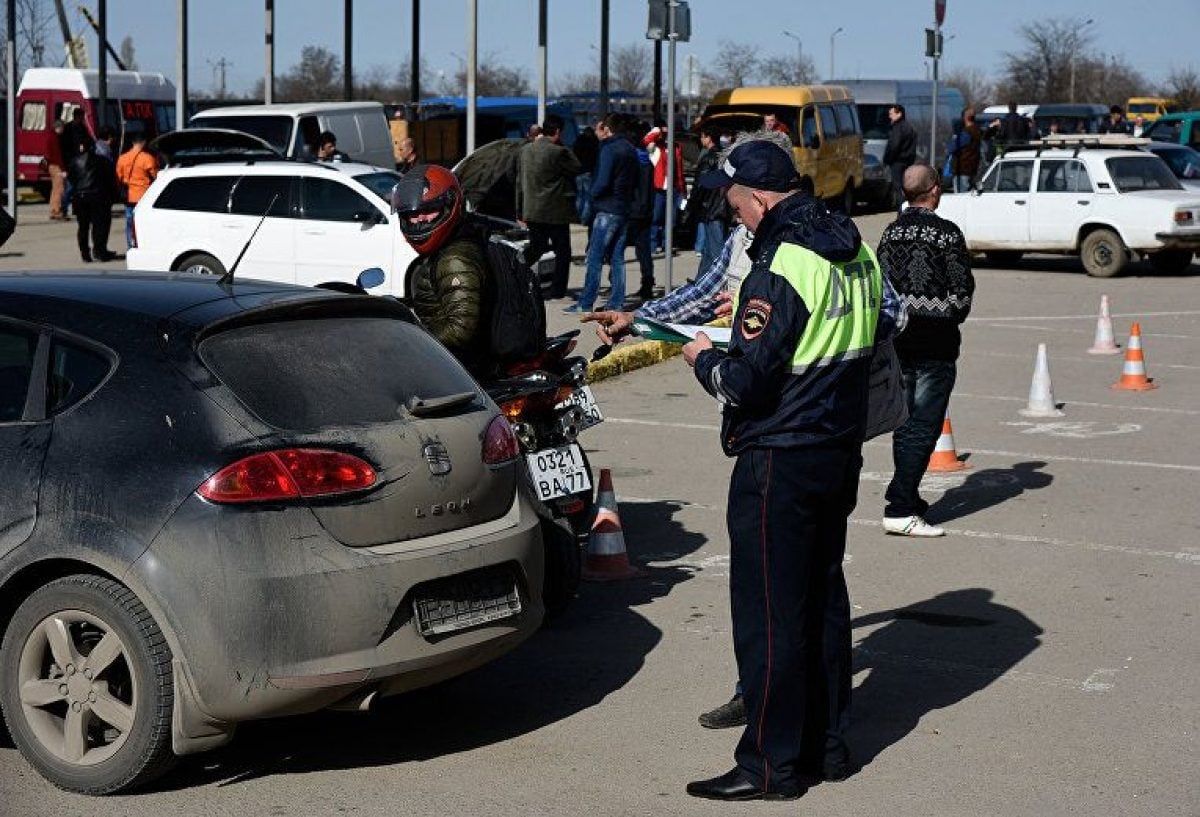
(110, 731)
(1103, 254)
(1171, 262)
(200, 262)
(563, 568)
(1004, 258)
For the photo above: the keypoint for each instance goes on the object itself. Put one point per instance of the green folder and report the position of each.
(652, 329)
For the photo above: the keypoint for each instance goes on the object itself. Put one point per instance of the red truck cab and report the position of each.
(137, 101)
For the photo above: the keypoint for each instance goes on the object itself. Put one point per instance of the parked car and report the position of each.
(1150, 108)
(294, 128)
(324, 221)
(1092, 196)
(823, 125)
(1180, 128)
(1183, 161)
(223, 501)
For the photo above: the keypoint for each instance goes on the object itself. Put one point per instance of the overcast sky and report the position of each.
(879, 38)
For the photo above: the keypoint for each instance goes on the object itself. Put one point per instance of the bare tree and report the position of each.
(631, 66)
(1110, 81)
(1054, 49)
(734, 65)
(977, 89)
(584, 82)
(788, 70)
(34, 21)
(1183, 85)
(492, 78)
(317, 77)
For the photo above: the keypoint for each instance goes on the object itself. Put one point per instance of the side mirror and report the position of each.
(370, 278)
(370, 217)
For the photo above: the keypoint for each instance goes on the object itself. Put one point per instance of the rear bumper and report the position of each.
(1180, 241)
(268, 616)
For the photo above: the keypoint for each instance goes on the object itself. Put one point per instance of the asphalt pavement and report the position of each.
(1040, 660)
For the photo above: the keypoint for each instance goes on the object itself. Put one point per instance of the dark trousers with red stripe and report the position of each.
(791, 613)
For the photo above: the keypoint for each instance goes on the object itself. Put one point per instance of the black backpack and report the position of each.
(518, 314)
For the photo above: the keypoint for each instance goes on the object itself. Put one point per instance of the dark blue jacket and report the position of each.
(615, 176)
(768, 404)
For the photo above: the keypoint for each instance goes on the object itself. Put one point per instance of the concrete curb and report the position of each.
(637, 356)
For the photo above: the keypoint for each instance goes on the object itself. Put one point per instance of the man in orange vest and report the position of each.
(136, 169)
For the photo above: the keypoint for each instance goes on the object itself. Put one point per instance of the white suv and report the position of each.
(1088, 195)
(326, 222)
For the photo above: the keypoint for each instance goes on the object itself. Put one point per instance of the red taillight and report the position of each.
(529, 403)
(499, 443)
(292, 473)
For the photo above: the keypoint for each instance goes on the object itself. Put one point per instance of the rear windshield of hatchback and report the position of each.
(315, 373)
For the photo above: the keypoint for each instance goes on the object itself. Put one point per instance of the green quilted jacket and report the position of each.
(447, 291)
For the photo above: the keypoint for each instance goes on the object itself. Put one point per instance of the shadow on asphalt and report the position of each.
(928, 656)
(988, 488)
(593, 650)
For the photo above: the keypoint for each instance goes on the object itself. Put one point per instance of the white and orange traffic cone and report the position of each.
(1133, 373)
(944, 457)
(1041, 397)
(1104, 342)
(607, 559)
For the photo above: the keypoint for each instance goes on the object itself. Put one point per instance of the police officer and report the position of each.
(794, 388)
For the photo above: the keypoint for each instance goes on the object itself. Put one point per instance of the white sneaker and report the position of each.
(911, 526)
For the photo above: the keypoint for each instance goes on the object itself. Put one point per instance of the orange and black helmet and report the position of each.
(429, 201)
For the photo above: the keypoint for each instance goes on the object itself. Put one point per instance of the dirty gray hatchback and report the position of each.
(222, 502)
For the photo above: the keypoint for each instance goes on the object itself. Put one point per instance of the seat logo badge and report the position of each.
(438, 458)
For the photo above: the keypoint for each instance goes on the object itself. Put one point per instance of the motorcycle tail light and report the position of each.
(292, 473)
(499, 443)
(514, 408)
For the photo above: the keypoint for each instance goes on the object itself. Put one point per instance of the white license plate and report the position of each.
(586, 401)
(558, 472)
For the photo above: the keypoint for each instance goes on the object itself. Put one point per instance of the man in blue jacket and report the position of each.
(793, 386)
(612, 191)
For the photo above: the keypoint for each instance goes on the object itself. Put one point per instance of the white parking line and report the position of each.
(1082, 358)
(1032, 328)
(721, 561)
(1024, 455)
(1158, 409)
(1092, 316)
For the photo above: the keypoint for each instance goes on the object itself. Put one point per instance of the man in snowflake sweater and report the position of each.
(926, 259)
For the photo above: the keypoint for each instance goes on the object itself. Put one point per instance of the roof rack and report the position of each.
(1079, 141)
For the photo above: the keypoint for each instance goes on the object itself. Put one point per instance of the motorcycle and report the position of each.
(548, 405)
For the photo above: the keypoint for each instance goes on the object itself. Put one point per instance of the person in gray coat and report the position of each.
(546, 171)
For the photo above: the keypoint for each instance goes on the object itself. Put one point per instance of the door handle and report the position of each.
(1084, 201)
(313, 231)
(232, 225)
(1020, 202)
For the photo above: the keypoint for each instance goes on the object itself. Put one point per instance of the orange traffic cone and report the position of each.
(607, 559)
(1133, 373)
(945, 458)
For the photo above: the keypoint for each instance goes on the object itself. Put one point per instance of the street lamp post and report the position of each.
(1075, 53)
(836, 31)
(799, 53)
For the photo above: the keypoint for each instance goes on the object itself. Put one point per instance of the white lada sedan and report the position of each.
(1098, 198)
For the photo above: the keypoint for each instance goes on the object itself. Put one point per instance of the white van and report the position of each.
(293, 129)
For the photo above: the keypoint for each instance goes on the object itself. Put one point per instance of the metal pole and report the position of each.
(348, 52)
(669, 221)
(414, 92)
(604, 57)
(10, 105)
(836, 31)
(541, 114)
(181, 64)
(657, 92)
(933, 123)
(269, 55)
(472, 46)
(102, 114)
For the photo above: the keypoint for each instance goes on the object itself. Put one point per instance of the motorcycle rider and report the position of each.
(447, 282)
